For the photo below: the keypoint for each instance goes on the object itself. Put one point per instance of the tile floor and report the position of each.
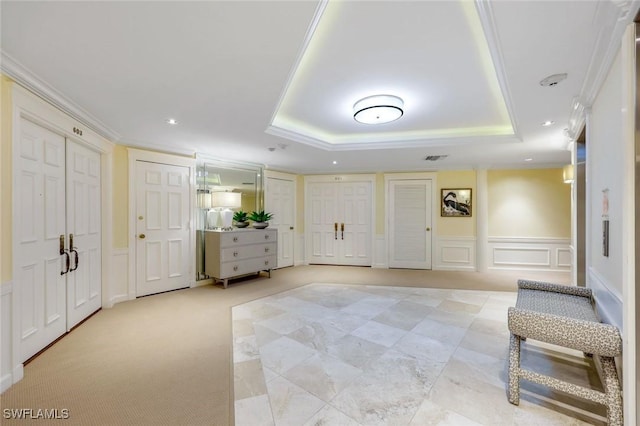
(330, 354)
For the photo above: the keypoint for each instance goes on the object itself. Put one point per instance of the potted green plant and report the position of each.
(241, 219)
(260, 219)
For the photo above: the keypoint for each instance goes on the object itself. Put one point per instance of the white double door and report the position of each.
(340, 223)
(410, 224)
(57, 235)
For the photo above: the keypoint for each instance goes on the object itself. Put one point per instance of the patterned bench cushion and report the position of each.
(564, 316)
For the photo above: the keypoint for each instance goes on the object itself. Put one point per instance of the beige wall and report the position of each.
(456, 226)
(529, 203)
(6, 192)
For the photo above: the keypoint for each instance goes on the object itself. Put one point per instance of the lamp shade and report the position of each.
(231, 200)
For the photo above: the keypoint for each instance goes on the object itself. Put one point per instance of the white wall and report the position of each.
(605, 172)
(610, 165)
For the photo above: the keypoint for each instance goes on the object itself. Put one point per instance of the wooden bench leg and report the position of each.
(514, 367)
(612, 391)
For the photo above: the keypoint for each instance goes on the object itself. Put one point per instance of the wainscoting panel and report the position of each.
(380, 252)
(608, 301)
(547, 254)
(455, 254)
(6, 336)
(119, 289)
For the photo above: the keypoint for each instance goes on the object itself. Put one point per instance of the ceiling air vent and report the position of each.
(552, 80)
(435, 157)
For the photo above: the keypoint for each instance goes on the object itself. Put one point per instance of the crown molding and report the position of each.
(485, 13)
(32, 82)
(612, 18)
(167, 149)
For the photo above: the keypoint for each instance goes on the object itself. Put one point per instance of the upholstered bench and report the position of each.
(564, 316)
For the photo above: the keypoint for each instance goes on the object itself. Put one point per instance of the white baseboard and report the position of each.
(608, 302)
(202, 283)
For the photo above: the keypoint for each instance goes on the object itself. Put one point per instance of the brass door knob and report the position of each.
(428, 228)
(142, 236)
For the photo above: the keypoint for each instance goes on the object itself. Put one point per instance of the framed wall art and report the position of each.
(456, 202)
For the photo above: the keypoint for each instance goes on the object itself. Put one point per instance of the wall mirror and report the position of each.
(241, 183)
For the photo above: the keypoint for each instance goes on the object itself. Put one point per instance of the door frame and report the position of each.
(33, 108)
(370, 178)
(172, 160)
(435, 208)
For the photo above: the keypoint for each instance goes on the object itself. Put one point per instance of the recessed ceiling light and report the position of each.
(528, 159)
(335, 162)
(548, 123)
(171, 121)
(378, 109)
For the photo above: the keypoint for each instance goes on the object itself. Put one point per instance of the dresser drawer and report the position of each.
(247, 251)
(247, 266)
(254, 236)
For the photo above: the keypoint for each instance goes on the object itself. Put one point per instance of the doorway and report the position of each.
(280, 200)
(410, 224)
(339, 214)
(161, 205)
(57, 222)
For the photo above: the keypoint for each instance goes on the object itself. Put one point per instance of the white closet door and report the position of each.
(39, 221)
(162, 224)
(83, 227)
(354, 201)
(279, 201)
(410, 224)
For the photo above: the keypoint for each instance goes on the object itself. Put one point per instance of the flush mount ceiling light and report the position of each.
(378, 109)
(171, 121)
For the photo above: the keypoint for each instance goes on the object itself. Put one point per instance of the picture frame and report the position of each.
(456, 202)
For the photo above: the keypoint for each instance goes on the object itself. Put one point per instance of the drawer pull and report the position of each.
(266, 249)
(266, 237)
(266, 262)
(235, 268)
(235, 254)
(235, 239)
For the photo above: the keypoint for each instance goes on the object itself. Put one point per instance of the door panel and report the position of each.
(39, 221)
(84, 282)
(355, 217)
(409, 218)
(163, 239)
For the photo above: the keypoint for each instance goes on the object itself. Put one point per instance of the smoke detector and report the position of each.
(435, 157)
(552, 80)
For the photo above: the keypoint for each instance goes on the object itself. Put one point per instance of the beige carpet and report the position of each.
(166, 359)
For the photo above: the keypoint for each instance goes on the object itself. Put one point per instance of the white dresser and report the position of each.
(239, 252)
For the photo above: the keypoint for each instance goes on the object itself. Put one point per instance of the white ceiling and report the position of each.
(275, 82)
